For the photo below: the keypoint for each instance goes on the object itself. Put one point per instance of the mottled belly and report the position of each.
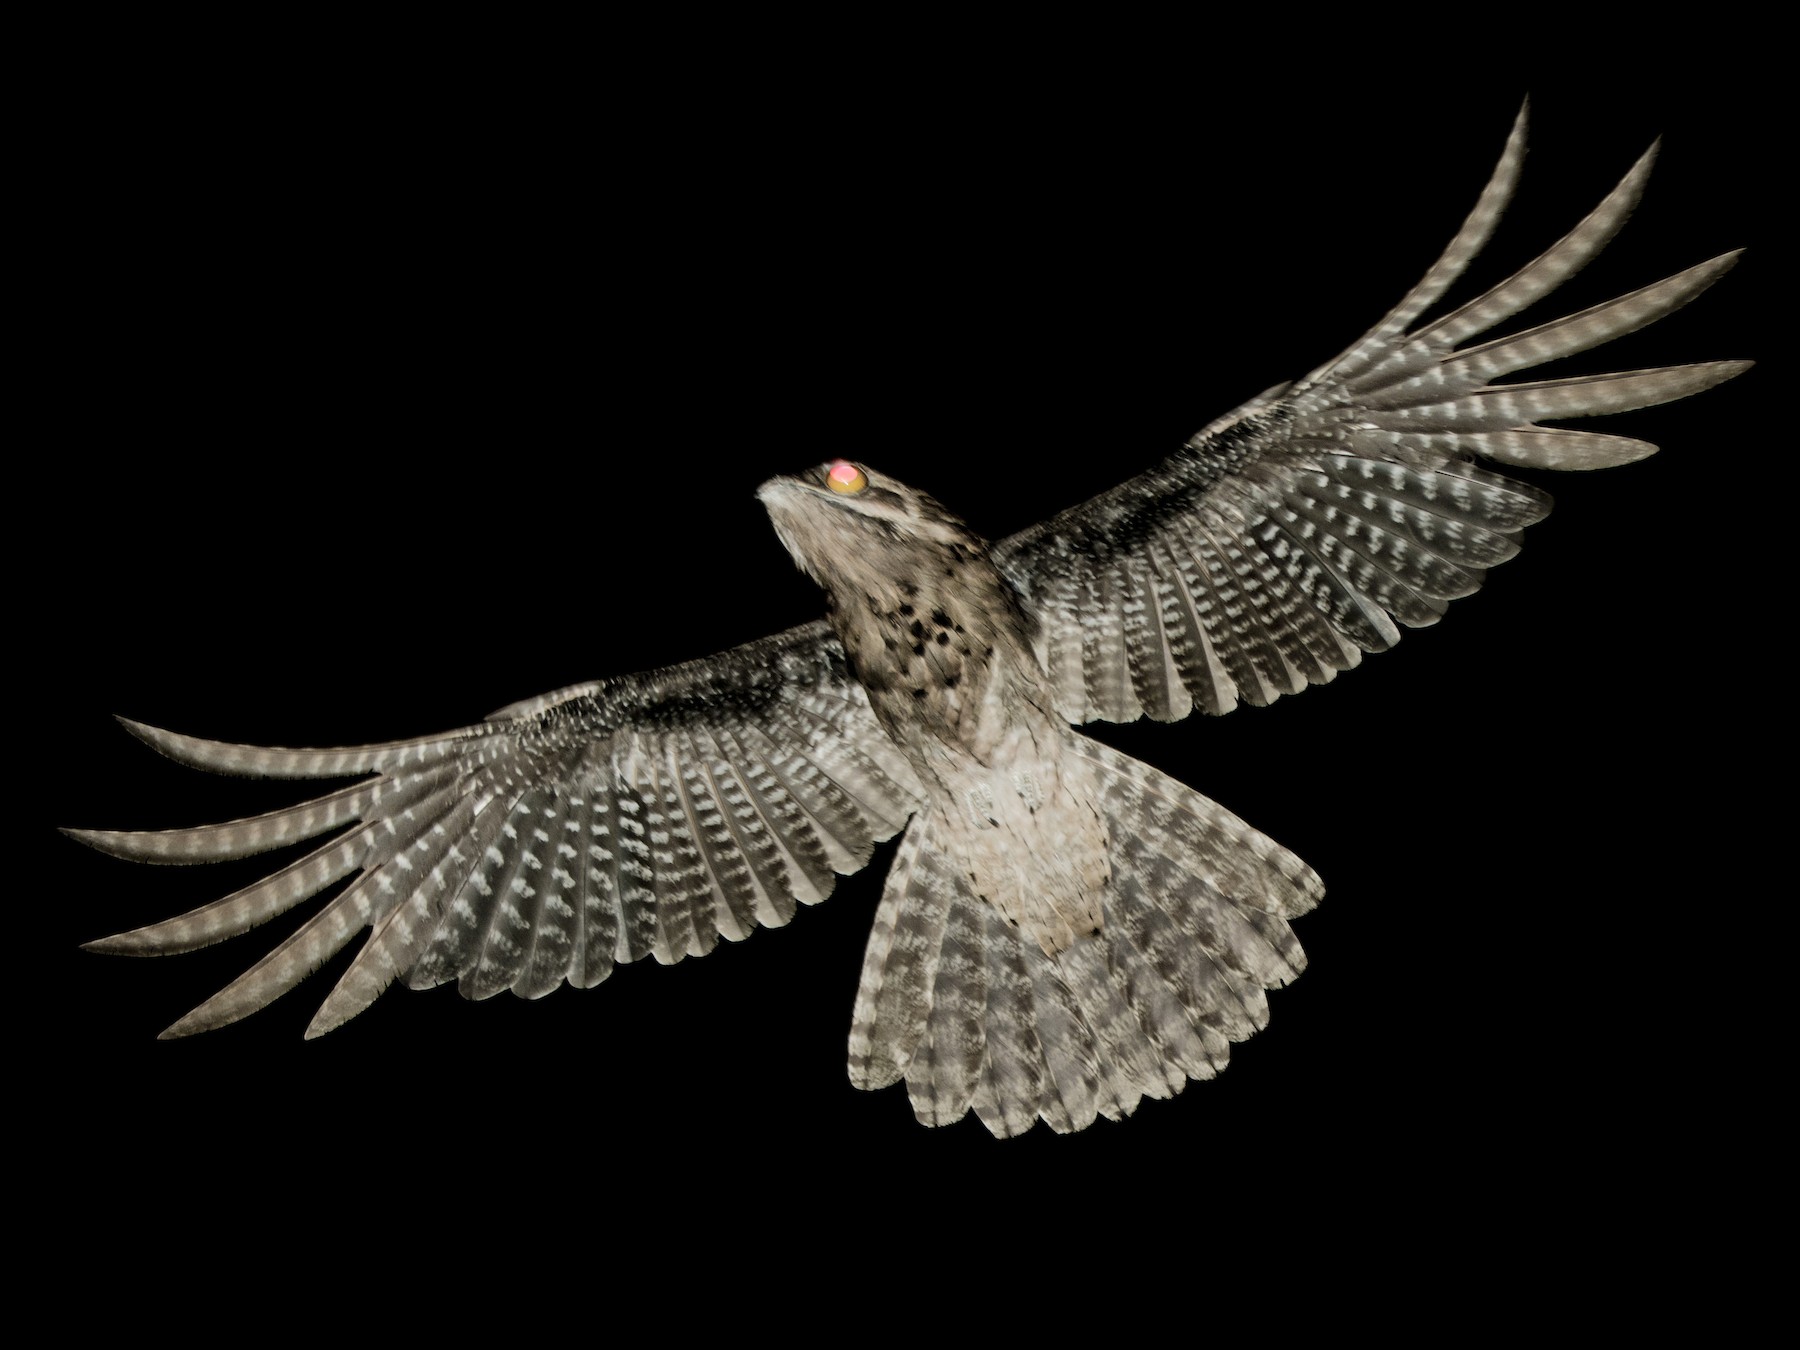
(1028, 829)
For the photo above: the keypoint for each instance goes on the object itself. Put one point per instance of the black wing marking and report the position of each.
(646, 815)
(1291, 536)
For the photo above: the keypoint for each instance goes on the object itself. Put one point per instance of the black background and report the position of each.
(399, 400)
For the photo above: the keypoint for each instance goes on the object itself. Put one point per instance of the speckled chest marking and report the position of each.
(938, 645)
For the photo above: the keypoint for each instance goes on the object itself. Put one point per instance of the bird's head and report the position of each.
(842, 520)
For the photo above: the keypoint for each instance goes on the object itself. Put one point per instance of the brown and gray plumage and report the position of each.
(1064, 930)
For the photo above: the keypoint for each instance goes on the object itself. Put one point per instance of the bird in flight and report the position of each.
(1064, 930)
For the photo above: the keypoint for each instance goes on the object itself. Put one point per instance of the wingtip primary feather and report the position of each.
(271, 761)
(94, 839)
(194, 751)
(138, 729)
(171, 744)
(151, 846)
(156, 939)
(235, 838)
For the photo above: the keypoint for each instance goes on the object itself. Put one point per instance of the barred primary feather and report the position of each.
(1346, 496)
(523, 852)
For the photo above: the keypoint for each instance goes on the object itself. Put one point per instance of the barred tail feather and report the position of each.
(974, 1015)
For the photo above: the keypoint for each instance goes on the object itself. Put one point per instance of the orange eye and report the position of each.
(845, 477)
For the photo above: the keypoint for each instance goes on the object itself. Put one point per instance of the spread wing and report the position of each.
(1289, 537)
(646, 815)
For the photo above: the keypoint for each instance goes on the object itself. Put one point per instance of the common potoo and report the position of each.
(1064, 930)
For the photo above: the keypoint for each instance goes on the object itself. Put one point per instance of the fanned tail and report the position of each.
(974, 1015)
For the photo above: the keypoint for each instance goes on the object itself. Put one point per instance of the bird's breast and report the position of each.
(947, 666)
